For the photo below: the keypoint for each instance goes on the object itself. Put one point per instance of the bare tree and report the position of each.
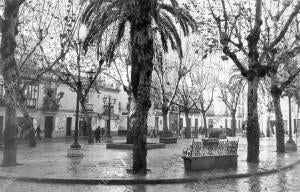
(230, 95)
(18, 54)
(254, 24)
(205, 83)
(168, 75)
(281, 78)
(36, 29)
(186, 99)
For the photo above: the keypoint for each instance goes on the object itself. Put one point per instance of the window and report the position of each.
(31, 95)
(196, 123)
(106, 109)
(156, 122)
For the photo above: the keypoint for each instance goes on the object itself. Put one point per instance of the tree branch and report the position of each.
(237, 62)
(286, 26)
(289, 80)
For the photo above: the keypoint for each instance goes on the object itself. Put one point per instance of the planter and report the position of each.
(74, 152)
(210, 162)
(130, 146)
(168, 140)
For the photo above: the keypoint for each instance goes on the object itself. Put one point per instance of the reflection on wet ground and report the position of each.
(283, 181)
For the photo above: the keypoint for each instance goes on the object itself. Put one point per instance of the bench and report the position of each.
(208, 155)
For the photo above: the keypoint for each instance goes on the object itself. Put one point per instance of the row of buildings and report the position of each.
(52, 106)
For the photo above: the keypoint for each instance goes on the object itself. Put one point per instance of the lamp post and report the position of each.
(108, 101)
(290, 144)
(75, 148)
(290, 122)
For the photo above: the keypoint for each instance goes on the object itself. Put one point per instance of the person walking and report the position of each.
(38, 132)
(102, 132)
(97, 134)
(32, 142)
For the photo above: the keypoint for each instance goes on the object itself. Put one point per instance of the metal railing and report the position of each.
(220, 148)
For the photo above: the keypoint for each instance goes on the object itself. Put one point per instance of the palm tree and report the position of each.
(146, 18)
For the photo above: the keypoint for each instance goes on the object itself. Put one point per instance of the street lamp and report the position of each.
(290, 144)
(108, 101)
(90, 74)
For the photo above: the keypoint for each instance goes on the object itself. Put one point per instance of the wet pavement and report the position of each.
(49, 160)
(279, 182)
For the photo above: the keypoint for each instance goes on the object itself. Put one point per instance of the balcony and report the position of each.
(50, 104)
(89, 107)
(31, 103)
(105, 112)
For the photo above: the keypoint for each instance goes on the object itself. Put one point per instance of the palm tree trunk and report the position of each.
(233, 124)
(142, 53)
(279, 120)
(8, 68)
(252, 124)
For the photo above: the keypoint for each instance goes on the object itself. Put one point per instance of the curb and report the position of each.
(102, 181)
(258, 173)
(136, 181)
(130, 146)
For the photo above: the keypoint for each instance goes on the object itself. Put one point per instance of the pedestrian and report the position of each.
(32, 142)
(38, 132)
(182, 133)
(19, 132)
(97, 134)
(243, 129)
(200, 130)
(102, 132)
(151, 132)
(155, 133)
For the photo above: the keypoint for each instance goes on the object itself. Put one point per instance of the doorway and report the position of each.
(68, 126)
(48, 126)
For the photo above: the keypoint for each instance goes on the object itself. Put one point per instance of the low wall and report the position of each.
(167, 140)
(210, 162)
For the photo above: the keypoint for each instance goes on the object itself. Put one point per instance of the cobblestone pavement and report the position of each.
(49, 160)
(279, 182)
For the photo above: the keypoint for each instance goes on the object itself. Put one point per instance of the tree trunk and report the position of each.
(276, 93)
(165, 121)
(252, 123)
(187, 131)
(205, 123)
(129, 138)
(28, 125)
(8, 69)
(142, 53)
(87, 123)
(233, 124)
(1, 137)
